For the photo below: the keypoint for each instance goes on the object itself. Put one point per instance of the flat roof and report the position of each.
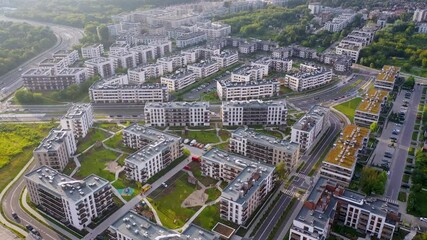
(344, 152)
(229, 84)
(388, 73)
(70, 71)
(77, 110)
(54, 140)
(150, 133)
(149, 151)
(191, 35)
(309, 120)
(246, 70)
(204, 63)
(266, 140)
(197, 233)
(98, 60)
(179, 74)
(372, 101)
(174, 105)
(109, 86)
(62, 185)
(254, 103)
(38, 72)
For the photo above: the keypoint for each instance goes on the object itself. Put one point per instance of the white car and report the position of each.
(423, 219)
(164, 185)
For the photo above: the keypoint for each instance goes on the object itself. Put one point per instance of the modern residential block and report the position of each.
(387, 77)
(173, 63)
(177, 114)
(204, 68)
(102, 66)
(370, 108)
(229, 91)
(46, 79)
(141, 74)
(226, 58)
(181, 79)
(249, 73)
(191, 39)
(79, 118)
(308, 77)
(92, 51)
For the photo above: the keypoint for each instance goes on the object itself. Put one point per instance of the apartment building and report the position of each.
(308, 129)
(249, 73)
(70, 56)
(247, 47)
(340, 63)
(264, 63)
(281, 64)
(177, 114)
(191, 39)
(282, 53)
(156, 150)
(56, 64)
(215, 29)
(330, 203)
(181, 79)
(387, 78)
(46, 79)
(119, 47)
(370, 108)
(348, 49)
(92, 51)
(148, 39)
(340, 162)
(105, 92)
(265, 148)
(143, 53)
(134, 226)
(339, 23)
(226, 58)
(308, 77)
(228, 90)
(172, 63)
(249, 183)
(105, 67)
(204, 68)
(162, 48)
(124, 59)
(56, 149)
(79, 118)
(420, 15)
(192, 55)
(74, 202)
(141, 74)
(253, 112)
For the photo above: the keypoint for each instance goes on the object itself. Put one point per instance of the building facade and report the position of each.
(181, 79)
(79, 118)
(177, 114)
(229, 91)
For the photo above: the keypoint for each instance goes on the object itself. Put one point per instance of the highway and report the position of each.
(66, 38)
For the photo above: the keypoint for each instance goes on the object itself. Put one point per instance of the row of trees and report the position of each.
(20, 42)
(372, 181)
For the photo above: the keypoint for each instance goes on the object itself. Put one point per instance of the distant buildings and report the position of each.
(46, 79)
(56, 149)
(105, 67)
(68, 200)
(249, 73)
(226, 58)
(308, 129)
(181, 79)
(157, 150)
(254, 112)
(370, 108)
(387, 78)
(190, 39)
(173, 63)
(204, 68)
(141, 74)
(92, 51)
(249, 183)
(309, 77)
(339, 23)
(228, 91)
(215, 29)
(79, 118)
(420, 15)
(265, 148)
(177, 114)
(330, 203)
(353, 43)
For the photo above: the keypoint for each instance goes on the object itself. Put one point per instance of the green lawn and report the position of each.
(122, 183)
(213, 194)
(269, 132)
(223, 146)
(204, 137)
(402, 196)
(116, 142)
(95, 161)
(211, 96)
(195, 169)
(348, 108)
(17, 142)
(108, 126)
(92, 137)
(224, 134)
(419, 203)
(208, 217)
(167, 203)
(121, 160)
(284, 90)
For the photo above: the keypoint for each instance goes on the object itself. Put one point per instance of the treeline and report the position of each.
(398, 44)
(20, 42)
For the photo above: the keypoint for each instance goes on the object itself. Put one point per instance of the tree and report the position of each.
(373, 127)
(409, 83)
(372, 181)
(281, 170)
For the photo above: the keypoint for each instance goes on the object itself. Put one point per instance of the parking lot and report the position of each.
(195, 93)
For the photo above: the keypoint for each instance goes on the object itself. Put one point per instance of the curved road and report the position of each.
(67, 37)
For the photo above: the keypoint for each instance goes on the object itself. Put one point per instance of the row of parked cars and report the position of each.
(194, 143)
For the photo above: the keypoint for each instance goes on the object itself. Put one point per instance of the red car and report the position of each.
(187, 168)
(195, 158)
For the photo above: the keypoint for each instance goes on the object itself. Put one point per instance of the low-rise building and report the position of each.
(56, 149)
(265, 148)
(56, 64)
(101, 65)
(226, 58)
(249, 73)
(281, 64)
(119, 47)
(339, 23)
(172, 63)
(190, 39)
(141, 74)
(124, 59)
(340, 162)
(228, 90)
(71, 201)
(181, 79)
(370, 108)
(330, 204)
(92, 51)
(105, 92)
(144, 53)
(157, 150)
(177, 114)
(79, 118)
(249, 183)
(310, 127)
(46, 79)
(253, 112)
(215, 30)
(350, 50)
(308, 77)
(70, 56)
(341, 63)
(204, 68)
(387, 78)
(283, 53)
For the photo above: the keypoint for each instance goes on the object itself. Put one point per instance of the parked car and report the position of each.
(187, 168)
(164, 185)
(29, 227)
(14, 215)
(423, 219)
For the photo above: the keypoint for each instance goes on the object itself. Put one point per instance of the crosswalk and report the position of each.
(288, 192)
(391, 201)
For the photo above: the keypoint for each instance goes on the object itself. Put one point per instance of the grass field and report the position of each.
(17, 142)
(122, 183)
(211, 96)
(420, 208)
(116, 142)
(213, 194)
(348, 108)
(204, 137)
(92, 137)
(195, 169)
(167, 202)
(208, 217)
(94, 161)
(269, 133)
(108, 126)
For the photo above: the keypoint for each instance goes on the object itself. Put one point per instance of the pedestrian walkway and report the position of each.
(153, 210)
(391, 201)
(289, 192)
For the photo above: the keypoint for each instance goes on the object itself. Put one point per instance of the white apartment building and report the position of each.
(249, 183)
(204, 68)
(143, 53)
(339, 23)
(46, 79)
(215, 30)
(253, 112)
(265, 148)
(172, 63)
(263, 63)
(102, 66)
(190, 39)
(370, 108)
(226, 58)
(191, 55)
(420, 15)
(119, 47)
(92, 51)
(79, 118)
(141, 74)
(76, 202)
(228, 91)
(177, 114)
(70, 56)
(124, 59)
(310, 127)
(422, 28)
(56, 64)
(56, 149)
(282, 53)
(348, 50)
(281, 64)
(249, 73)
(157, 150)
(162, 48)
(387, 77)
(181, 79)
(105, 92)
(308, 78)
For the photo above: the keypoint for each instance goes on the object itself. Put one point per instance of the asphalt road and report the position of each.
(66, 36)
(403, 142)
